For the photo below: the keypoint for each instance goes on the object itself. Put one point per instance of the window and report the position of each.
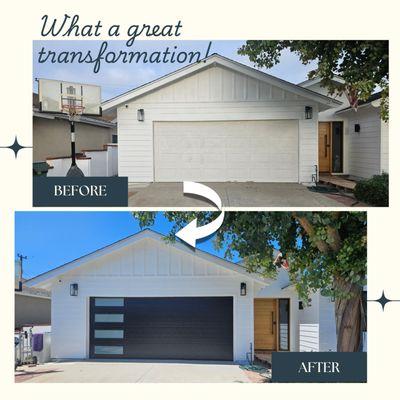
(109, 318)
(108, 302)
(113, 350)
(284, 322)
(108, 334)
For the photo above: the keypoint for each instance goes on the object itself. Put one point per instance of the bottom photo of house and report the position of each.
(130, 302)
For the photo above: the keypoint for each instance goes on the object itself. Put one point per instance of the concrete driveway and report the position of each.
(233, 194)
(132, 371)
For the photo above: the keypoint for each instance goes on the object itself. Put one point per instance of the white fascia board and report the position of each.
(43, 279)
(325, 101)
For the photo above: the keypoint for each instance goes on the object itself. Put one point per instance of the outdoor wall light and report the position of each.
(357, 128)
(301, 305)
(243, 289)
(140, 115)
(308, 112)
(73, 289)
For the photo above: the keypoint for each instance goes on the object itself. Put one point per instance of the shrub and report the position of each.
(374, 191)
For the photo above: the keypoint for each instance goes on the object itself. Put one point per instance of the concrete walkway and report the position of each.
(233, 194)
(132, 371)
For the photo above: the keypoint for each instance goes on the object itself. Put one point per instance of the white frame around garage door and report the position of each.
(296, 121)
(234, 310)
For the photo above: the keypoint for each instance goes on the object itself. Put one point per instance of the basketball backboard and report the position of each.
(62, 97)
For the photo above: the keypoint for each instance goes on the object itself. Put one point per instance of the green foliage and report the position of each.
(362, 64)
(320, 246)
(374, 191)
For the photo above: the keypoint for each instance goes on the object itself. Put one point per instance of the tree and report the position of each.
(362, 64)
(327, 251)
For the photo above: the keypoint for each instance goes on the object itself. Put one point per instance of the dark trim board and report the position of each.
(184, 328)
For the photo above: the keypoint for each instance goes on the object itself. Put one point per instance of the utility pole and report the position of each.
(20, 272)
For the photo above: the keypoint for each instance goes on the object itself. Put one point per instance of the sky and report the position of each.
(118, 78)
(50, 239)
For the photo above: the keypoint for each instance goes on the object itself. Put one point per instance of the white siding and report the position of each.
(144, 269)
(214, 94)
(364, 148)
(384, 146)
(317, 326)
(309, 325)
(327, 327)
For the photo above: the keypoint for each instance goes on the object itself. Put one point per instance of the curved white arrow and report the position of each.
(191, 232)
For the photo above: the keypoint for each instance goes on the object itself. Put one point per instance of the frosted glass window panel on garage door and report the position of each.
(114, 350)
(109, 334)
(109, 302)
(222, 151)
(109, 318)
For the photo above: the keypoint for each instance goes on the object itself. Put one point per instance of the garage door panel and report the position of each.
(167, 328)
(260, 151)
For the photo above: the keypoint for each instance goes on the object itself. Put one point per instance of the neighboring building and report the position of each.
(352, 142)
(218, 120)
(52, 138)
(32, 305)
(142, 297)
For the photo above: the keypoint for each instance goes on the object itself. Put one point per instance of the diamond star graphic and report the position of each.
(16, 147)
(383, 300)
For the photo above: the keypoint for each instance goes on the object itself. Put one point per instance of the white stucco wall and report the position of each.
(213, 94)
(147, 268)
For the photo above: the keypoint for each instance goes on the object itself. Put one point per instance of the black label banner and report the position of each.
(80, 192)
(319, 367)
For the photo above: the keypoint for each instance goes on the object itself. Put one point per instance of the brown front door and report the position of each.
(324, 146)
(265, 324)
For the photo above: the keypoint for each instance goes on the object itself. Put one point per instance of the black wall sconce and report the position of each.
(308, 112)
(73, 289)
(301, 305)
(140, 115)
(357, 128)
(243, 289)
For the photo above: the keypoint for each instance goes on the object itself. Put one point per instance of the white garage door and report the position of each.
(258, 151)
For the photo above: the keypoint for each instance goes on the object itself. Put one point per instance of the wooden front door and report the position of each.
(265, 324)
(324, 146)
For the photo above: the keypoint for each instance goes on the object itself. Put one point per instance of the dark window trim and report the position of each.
(279, 325)
(342, 147)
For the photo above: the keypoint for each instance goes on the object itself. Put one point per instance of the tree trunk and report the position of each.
(348, 316)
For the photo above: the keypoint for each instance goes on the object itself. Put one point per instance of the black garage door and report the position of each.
(191, 328)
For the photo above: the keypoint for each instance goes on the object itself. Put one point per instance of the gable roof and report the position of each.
(373, 98)
(42, 279)
(213, 60)
(313, 81)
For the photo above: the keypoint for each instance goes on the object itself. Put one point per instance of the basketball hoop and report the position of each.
(72, 106)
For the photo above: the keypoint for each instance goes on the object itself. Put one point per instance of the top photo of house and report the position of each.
(263, 123)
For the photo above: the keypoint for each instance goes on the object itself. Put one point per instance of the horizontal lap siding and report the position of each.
(212, 95)
(309, 337)
(364, 148)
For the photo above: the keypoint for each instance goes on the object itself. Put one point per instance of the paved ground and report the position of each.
(233, 194)
(132, 371)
